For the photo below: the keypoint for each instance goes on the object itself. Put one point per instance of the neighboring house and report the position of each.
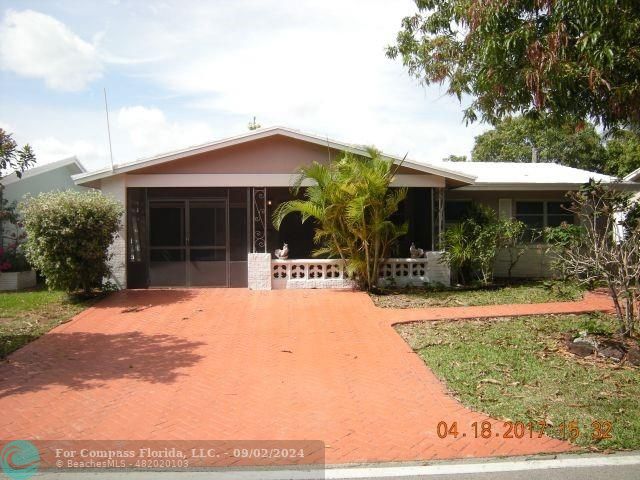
(202, 216)
(42, 178)
(634, 177)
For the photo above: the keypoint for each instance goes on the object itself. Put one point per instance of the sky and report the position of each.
(181, 73)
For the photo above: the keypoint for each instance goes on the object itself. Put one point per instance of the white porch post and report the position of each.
(437, 217)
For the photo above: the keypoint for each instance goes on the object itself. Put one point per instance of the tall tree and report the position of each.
(514, 138)
(564, 58)
(623, 153)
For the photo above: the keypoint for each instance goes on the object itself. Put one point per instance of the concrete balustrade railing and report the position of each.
(330, 273)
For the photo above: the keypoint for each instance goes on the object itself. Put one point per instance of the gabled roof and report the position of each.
(519, 175)
(47, 167)
(439, 170)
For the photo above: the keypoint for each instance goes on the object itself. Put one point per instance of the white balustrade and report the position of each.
(309, 273)
(330, 273)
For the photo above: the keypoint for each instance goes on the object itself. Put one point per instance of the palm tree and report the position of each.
(352, 202)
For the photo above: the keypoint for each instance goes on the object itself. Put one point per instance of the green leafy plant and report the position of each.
(352, 203)
(471, 246)
(561, 240)
(563, 58)
(68, 237)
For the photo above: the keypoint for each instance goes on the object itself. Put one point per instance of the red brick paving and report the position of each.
(235, 364)
(592, 302)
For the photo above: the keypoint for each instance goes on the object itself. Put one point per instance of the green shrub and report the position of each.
(471, 247)
(68, 237)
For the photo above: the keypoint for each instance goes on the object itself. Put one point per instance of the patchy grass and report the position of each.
(25, 316)
(530, 292)
(517, 369)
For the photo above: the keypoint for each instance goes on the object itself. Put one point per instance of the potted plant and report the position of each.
(15, 271)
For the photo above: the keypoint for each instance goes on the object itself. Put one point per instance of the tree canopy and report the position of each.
(575, 145)
(513, 139)
(562, 58)
(623, 153)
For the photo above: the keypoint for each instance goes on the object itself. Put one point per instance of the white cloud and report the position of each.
(39, 46)
(211, 66)
(150, 132)
(50, 149)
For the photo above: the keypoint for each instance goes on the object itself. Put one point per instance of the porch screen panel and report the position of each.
(137, 239)
(207, 242)
(239, 216)
(415, 210)
(167, 243)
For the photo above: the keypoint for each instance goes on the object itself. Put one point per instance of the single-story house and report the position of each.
(202, 216)
(41, 178)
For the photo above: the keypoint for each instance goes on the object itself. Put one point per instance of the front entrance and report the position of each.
(187, 237)
(189, 243)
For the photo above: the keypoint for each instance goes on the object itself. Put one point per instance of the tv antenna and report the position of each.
(106, 109)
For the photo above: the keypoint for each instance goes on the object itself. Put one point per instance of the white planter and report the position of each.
(17, 280)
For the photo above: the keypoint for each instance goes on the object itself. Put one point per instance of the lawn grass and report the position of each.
(24, 316)
(516, 369)
(530, 292)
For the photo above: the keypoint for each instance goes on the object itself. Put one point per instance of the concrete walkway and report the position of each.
(235, 364)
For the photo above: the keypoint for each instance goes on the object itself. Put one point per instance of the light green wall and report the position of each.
(58, 179)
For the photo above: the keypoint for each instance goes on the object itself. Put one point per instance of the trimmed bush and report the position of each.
(68, 237)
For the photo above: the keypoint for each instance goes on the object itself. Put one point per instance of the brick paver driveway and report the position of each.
(234, 364)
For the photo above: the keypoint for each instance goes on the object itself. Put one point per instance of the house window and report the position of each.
(537, 215)
(455, 211)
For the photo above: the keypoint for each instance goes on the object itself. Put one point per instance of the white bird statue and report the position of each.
(415, 252)
(282, 253)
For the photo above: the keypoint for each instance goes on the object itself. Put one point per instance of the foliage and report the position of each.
(623, 153)
(565, 58)
(68, 236)
(512, 369)
(512, 140)
(562, 239)
(12, 158)
(352, 203)
(471, 246)
(512, 233)
(605, 249)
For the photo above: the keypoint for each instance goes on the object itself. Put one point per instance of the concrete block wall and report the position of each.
(259, 271)
(116, 188)
(437, 270)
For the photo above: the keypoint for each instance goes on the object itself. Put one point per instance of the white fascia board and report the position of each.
(627, 186)
(633, 176)
(259, 134)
